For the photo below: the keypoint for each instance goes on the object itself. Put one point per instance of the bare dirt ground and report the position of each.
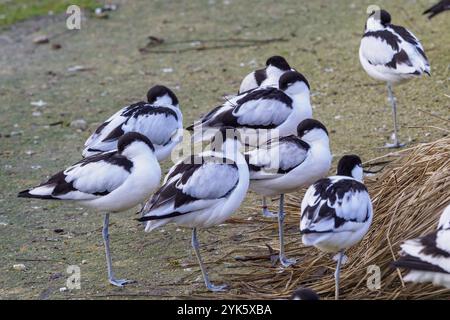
(319, 38)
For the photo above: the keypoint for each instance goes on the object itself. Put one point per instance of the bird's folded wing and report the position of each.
(277, 158)
(112, 123)
(335, 206)
(191, 187)
(88, 179)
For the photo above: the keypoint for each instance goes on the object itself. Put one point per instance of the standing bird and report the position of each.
(428, 258)
(109, 182)
(287, 164)
(439, 7)
(276, 66)
(261, 113)
(201, 191)
(337, 211)
(159, 119)
(391, 54)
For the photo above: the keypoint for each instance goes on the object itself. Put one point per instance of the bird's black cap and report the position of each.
(279, 62)
(309, 124)
(304, 294)
(289, 78)
(130, 137)
(158, 91)
(382, 15)
(347, 164)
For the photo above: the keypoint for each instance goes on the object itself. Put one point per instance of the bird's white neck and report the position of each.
(373, 25)
(163, 101)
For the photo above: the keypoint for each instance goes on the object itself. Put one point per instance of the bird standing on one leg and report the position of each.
(202, 191)
(289, 163)
(108, 182)
(392, 54)
(336, 212)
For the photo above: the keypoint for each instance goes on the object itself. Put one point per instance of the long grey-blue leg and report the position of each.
(111, 278)
(283, 260)
(196, 246)
(337, 274)
(396, 143)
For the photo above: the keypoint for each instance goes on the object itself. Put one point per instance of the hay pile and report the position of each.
(408, 198)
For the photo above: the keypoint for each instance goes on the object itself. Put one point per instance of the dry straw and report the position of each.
(408, 198)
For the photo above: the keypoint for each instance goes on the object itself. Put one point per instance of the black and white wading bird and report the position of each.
(287, 164)
(427, 259)
(439, 7)
(336, 212)
(159, 119)
(108, 182)
(391, 54)
(201, 191)
(276, 66)
(261, 113)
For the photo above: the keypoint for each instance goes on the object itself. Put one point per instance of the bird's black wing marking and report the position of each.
(267, 94)
(111, 157)
(391, 39)
(430, 247)
(400, 57)
(333, 194)
(260, 76)
(414, 263)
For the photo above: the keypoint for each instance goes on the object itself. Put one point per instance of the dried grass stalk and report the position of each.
(408, 198)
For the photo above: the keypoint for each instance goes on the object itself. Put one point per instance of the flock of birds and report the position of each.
(286, 151)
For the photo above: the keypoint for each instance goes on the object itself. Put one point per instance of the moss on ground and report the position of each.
(18, 10)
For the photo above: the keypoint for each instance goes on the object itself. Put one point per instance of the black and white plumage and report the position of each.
(392, 54)
(260, 112)
(427, 259)
(160, 119)
(289, 163)
(439, 7)
(201, 191)
(304, 294)
(336, 212)
(276, 66)
(109, 182)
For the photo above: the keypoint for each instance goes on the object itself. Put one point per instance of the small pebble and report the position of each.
(38, 103)
(79, 124)
(63, 289)
(41, 39)
(19, 267)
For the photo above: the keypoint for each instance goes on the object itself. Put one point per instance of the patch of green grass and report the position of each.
(12, 11)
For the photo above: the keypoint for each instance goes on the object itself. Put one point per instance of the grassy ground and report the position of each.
(322, 42)
(12, 11)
